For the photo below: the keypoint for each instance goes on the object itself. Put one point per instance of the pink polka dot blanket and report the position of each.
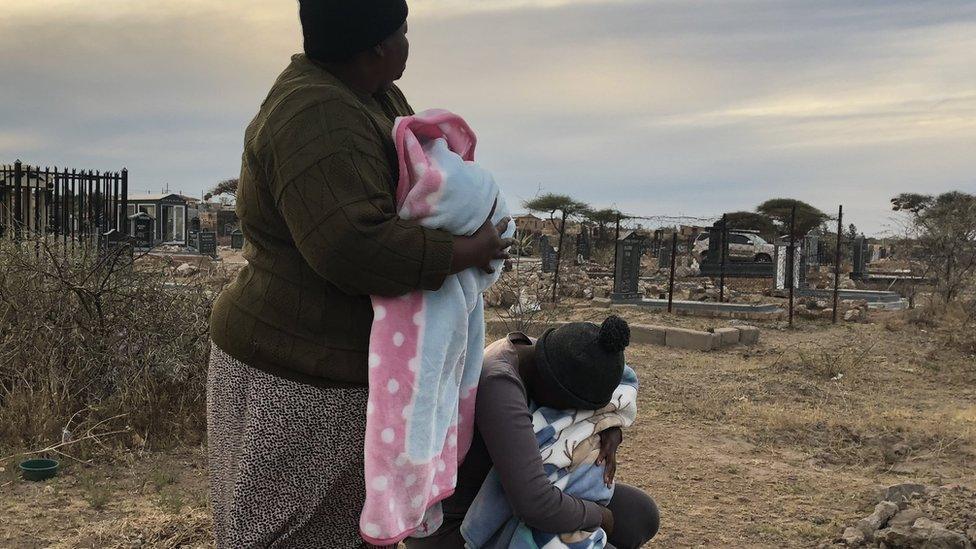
(426, 347)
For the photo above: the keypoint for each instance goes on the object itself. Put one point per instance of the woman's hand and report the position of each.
(483, 247)
(610, 439)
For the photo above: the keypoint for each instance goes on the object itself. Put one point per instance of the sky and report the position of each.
(655, 107)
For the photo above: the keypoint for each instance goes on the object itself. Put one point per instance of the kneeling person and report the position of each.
(575, 367)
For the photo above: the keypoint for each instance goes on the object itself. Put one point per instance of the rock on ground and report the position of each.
(876, 520)
(924, 534)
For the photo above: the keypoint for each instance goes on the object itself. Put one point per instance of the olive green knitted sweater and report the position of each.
(316, 205)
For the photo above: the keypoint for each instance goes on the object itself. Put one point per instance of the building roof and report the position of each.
(156, 197)
(636, 235)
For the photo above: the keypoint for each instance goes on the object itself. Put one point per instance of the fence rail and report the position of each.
(76, 205)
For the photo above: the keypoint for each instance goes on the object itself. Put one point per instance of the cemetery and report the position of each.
(816, 402)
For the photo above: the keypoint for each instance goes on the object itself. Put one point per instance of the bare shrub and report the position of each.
(88, 337)
(520, 292)
(953, 323)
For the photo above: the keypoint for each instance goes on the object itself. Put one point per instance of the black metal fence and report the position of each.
(73, 205)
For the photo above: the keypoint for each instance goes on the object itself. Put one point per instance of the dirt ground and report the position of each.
(777, 445)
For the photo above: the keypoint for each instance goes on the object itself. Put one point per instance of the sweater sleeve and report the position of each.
(332, 183)
(505, 425)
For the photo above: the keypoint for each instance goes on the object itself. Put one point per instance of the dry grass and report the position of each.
(89, 339)
(954, 324)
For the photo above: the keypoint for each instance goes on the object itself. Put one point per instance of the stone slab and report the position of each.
(748, 335)
(710, 309)
(681, 338)
(648, 335)
(728, 336)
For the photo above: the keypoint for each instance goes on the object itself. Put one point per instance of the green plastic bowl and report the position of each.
(39, 469)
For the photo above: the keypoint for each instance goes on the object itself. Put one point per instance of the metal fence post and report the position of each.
(616, 237)
(724, 243)
(674, 252)
(559, 257)
(837, 259)
(791, 257)
(125, 199)
(73, 217)
(18, 201)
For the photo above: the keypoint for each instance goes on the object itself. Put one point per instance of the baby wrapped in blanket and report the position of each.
(426, 347)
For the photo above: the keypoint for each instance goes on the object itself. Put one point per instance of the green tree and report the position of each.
(568, 208)
(779, 210)
(225, 187)
(605, 218)
(944, 227)
(911, 202)
(752, 221)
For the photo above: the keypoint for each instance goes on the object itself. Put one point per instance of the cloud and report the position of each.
(659, 106)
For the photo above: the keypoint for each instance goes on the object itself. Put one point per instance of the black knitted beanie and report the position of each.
(584, 361)
(335, 30)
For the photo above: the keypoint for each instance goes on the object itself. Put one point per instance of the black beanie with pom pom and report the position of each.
(584, 361)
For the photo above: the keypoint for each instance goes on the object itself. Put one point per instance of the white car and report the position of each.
(743, 246)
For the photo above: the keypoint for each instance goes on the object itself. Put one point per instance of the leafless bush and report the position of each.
(520, 294)
(88, 336)
(953, 323)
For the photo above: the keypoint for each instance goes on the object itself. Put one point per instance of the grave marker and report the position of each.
(207, 243)
(141, 229)
(626, 272)
(237, 239)
(664, 257)
(584, 246)
(548, 254)
(113, 240)
(781, 260)
(811, 247)
(860, 258)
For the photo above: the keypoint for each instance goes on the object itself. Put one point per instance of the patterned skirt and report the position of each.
(285, 458)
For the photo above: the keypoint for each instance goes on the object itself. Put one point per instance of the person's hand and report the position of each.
(606, 522)
(483, 247)
(610, 439)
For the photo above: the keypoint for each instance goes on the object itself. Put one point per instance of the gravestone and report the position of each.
(664, 257)
(141, 229)
(781, 260)
(584, 246)
(237, 239)
(811, 247)
(207, 243)
(717, 240)
(548, 255)
(860, 259)
(113, 240)
(626, 273)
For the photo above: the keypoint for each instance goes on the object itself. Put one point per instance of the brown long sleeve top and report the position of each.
(504, 438)
(316, 204)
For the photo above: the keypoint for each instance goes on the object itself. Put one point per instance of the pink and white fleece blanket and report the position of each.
(426, 347)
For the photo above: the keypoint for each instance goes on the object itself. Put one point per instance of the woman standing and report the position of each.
(287, 383)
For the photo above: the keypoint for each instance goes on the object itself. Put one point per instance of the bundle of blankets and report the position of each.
(426, 347)
(570, 444)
